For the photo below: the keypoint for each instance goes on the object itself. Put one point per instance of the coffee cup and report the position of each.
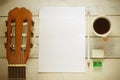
(102, 27)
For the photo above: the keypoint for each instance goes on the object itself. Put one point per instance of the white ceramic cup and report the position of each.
(101, 27)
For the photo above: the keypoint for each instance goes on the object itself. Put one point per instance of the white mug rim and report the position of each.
(105, 34)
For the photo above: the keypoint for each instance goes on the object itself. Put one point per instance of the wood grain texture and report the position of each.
(19, 16)
(110, 70)
(107, 7)
(110, 73)
(111, 48)
(114, 21)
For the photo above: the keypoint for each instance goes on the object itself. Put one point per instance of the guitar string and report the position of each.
(20, 51)
(15, 50)
(23, 53)
(13, 43)
(24, 26)
(16, 74)
(25, 42)
(15, 69)
(24, 47)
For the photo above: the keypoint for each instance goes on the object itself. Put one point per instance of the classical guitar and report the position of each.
(18, 44)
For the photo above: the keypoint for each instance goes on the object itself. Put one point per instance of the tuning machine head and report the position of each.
(31, 45)
(33, 23)
(6, 23)
(5, 44)
(32, 34)
(6, 34)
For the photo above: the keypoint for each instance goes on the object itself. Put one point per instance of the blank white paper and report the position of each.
(62, 39)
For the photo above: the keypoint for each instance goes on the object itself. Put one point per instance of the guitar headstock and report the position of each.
(18, 35)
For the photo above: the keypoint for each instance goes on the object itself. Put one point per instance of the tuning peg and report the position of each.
(12, 49)
(32, 34)
(6, 23)
(5, 44)
(5, 34)
(31, 45)
(32, 23)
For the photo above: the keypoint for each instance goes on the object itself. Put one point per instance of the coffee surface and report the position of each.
(101, 26)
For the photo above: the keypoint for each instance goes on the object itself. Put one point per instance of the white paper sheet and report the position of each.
(62, 39)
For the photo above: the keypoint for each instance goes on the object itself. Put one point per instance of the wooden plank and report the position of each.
(89, 73)
(112, 47)
(110, 69)
(3, 27)
(110, 7)
(3, 69)
(114, 21)
(2, 47)
(34, 52)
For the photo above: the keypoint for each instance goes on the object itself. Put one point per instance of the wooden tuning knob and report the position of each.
(31, 45)
(6, 23)
(32, 34)
(5, 34)
(32, 23)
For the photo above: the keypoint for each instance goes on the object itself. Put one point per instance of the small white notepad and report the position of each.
(62, 39)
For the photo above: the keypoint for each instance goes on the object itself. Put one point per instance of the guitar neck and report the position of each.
(16, 72)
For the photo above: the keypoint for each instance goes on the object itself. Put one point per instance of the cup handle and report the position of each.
(105, 39)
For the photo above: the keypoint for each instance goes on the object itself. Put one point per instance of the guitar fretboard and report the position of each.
(16, 73)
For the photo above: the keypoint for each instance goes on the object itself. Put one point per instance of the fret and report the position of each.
(17, 65)
(16, 79)
(16, 72)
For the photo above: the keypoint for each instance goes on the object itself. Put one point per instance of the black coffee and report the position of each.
(101, 26)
